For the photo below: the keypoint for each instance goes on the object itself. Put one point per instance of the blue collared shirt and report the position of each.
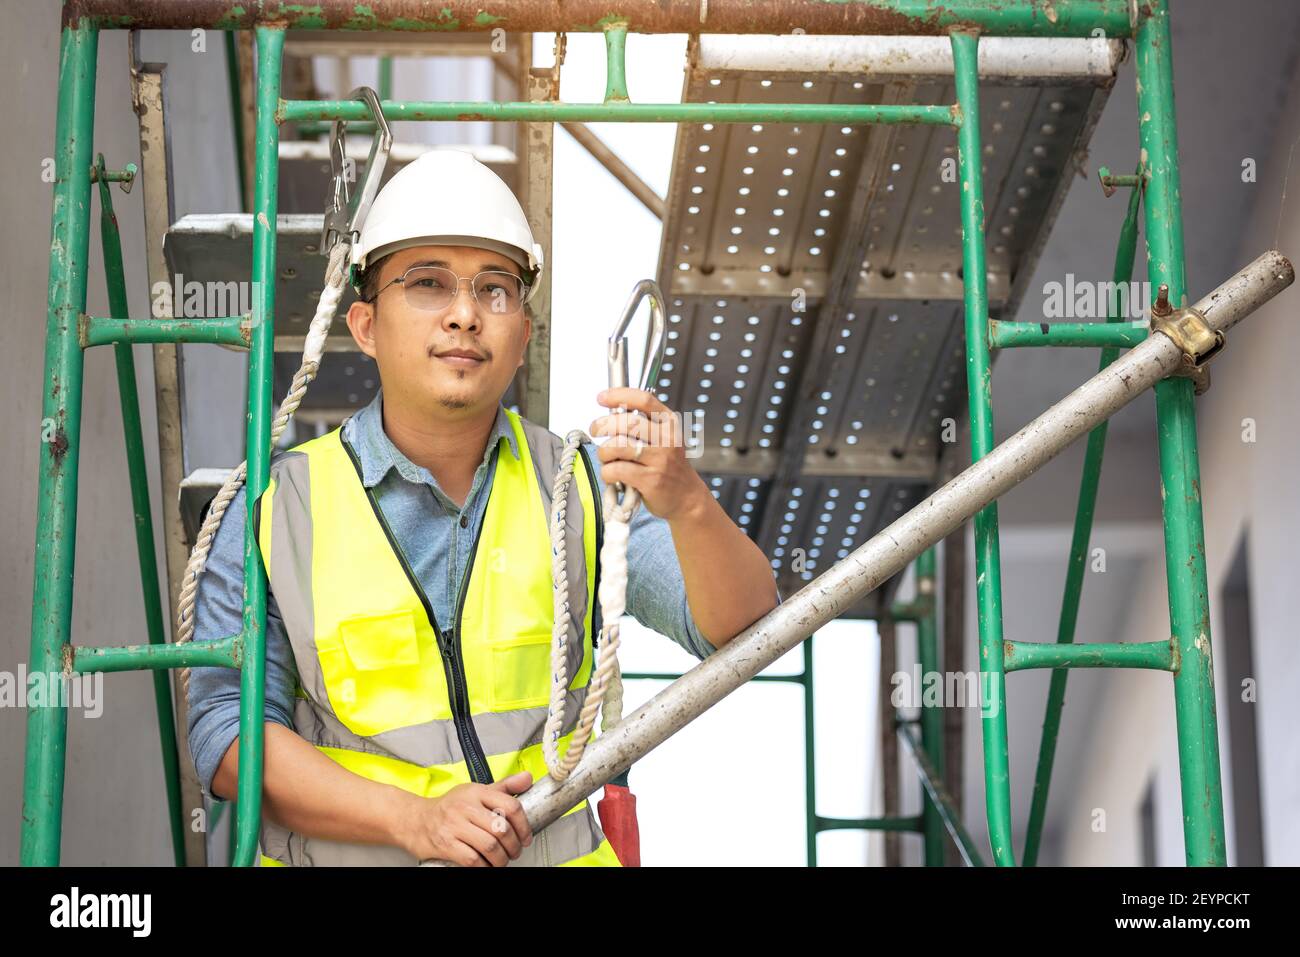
(437, 535)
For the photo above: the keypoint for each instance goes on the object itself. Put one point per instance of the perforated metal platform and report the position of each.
(813, 271)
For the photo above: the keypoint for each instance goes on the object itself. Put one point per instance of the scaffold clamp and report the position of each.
(1198, 341)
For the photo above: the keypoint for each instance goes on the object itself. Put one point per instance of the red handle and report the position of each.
(617, 811)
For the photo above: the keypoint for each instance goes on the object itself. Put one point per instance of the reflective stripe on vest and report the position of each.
(373, 674)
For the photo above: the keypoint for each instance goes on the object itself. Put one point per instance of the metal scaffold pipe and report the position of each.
(865, 569)
(1060, 18)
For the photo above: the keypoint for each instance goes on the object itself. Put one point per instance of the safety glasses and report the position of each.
(434, 288)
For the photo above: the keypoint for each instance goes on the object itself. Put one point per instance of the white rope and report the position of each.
(605, 688)
(314, 347)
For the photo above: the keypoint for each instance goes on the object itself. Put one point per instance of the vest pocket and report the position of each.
(372, 675)
(521, 672)
(374, 642)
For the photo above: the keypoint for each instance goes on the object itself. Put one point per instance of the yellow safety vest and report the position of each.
(395, 697)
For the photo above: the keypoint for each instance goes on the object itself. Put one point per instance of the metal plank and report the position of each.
(814, 271)
(1002, 60)
(217, 248)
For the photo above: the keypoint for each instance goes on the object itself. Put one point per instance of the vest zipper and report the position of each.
(453, 668)
(469, 743)
(598, 507)
(474, 752)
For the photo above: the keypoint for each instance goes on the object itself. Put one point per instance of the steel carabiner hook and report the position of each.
(348, 207)
(656, 342)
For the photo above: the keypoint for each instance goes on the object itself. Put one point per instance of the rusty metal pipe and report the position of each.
(1061, 18)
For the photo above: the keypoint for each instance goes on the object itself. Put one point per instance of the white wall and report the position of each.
(1244, 486)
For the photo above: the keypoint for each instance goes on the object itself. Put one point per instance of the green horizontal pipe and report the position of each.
(934, 787)
(1055, 18)
(226, 331)
(292, 111)
(908, 611)
(1021, 655)
(1012, 335)
(226, 653)
(313, 128)
(323, 128)
(868, 824)
(1109, 179)
(124, 175)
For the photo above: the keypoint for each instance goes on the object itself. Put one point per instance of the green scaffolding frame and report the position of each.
(1155, 187)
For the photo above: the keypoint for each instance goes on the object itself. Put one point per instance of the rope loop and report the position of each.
(604, 691)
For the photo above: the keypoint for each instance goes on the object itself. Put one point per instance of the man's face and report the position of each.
(458, 360)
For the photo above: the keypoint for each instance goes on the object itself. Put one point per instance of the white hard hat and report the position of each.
(447, 197)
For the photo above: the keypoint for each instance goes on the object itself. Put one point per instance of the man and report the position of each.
(410, 618)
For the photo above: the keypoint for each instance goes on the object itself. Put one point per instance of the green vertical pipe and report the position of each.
(988, 565)
(1180, 484)
(60, 431)
(132, 434)
(385, 78)
(1125, 252)
(616, 64)
(927, 652)
(270, 49)
(809, 752)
